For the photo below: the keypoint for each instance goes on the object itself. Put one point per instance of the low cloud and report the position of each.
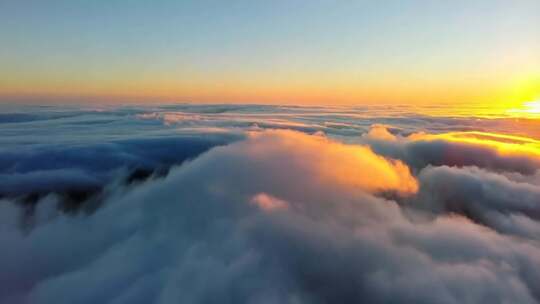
(269, 203)
(484, 150)
(342, 212)
(487, 198)
(203, 234)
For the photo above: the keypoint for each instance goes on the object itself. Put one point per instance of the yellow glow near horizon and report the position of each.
(452, 93)
(529, 109)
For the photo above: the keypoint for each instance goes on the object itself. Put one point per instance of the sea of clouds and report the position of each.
(267, 204)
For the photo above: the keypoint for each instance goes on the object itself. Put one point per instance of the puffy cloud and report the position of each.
(46, 181)
(329, 162)
(269, 203)
(203, 234)
(46, 168)
(488, 198)
(380, 132)
(248, 215)
(486, 150)
(490, 178)
(478, 189)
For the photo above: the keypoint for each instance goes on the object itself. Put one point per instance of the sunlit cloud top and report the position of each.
(303, 52)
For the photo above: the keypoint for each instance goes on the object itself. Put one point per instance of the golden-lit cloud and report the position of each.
(330, 162)
(489, 150)
(380, 132)
(502, 143)
(268, 203)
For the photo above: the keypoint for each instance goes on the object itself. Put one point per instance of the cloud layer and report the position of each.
(326, 213)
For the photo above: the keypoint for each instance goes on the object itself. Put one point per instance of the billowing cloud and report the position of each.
(269, 203)
(486, 150)
(329, 162)
(380, 132)
(489, 198)
(204, 234)
(333, 214)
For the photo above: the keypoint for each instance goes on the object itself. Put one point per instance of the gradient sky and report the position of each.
(303, 52)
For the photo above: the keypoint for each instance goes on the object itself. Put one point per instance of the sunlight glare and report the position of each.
(529, 109)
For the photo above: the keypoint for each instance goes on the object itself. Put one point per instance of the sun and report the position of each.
(530, 109)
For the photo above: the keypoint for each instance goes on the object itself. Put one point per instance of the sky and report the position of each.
(290, 52)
